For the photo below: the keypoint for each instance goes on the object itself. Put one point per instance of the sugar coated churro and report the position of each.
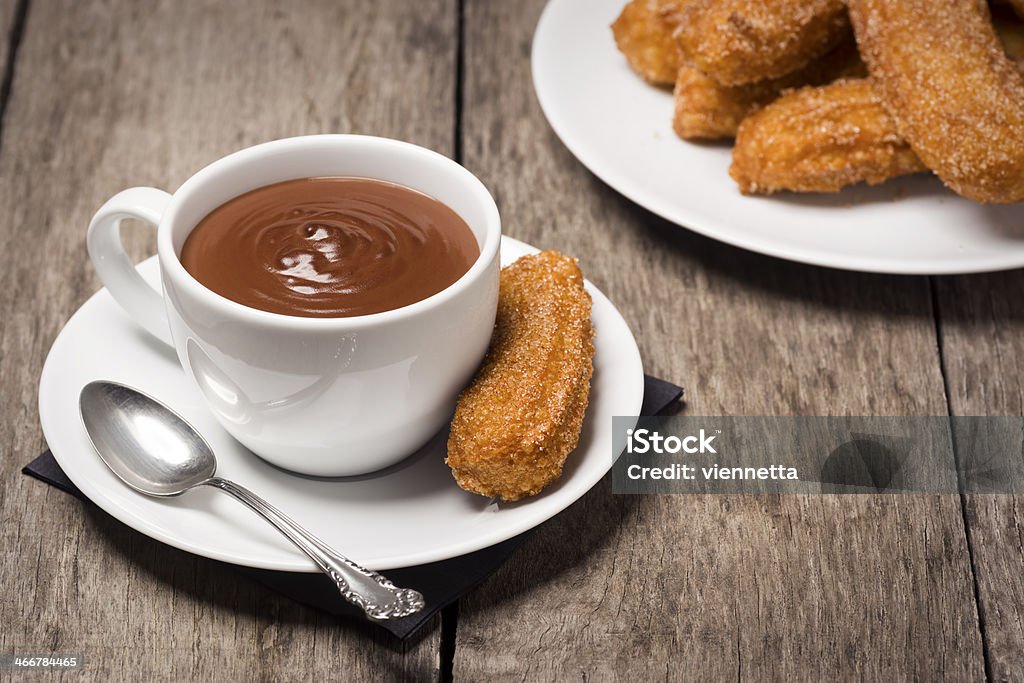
(521, 416)
(820, 140)
(951, 90)
(643, 33)
(705, 109)
(743, 41)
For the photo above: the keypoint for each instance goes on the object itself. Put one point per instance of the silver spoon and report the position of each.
(156, 452)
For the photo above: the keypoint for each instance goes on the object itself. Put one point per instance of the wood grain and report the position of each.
(112, 93)
(982, 325)
(109, 94)
(8, 11)
(704, 588)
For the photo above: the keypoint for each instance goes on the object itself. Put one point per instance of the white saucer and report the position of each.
(406, 515)
(620, 128)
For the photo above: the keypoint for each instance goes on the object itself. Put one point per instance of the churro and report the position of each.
(521, 416)
(950, 89)
(643, 33)
(820, 139)
(744, 41)
(705, 109)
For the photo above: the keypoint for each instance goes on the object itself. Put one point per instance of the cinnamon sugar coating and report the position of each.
(950, 89)
(707, 110)
(521, 416)
(820, 140)
(743, 41)
(643, 33)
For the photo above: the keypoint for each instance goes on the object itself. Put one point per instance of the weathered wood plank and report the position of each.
(118, 93)
(982, 325)
(875, 587)
(8, 10)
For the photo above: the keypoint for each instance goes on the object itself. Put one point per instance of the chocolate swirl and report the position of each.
(330, 247)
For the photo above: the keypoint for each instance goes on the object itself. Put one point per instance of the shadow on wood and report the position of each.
(222, 587)
(560, 546)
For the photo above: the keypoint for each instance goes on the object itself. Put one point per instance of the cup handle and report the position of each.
(141, 301)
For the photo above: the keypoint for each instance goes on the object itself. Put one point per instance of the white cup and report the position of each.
(320, 396)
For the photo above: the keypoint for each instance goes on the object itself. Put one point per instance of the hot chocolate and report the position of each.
(330, 247)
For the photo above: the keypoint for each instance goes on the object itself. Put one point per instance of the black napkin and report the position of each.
(441, 583)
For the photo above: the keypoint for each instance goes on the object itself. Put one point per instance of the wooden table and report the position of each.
(101, 95)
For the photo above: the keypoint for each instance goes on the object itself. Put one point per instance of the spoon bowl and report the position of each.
(145, 443)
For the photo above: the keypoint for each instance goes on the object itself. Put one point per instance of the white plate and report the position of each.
(621, 129)
(409, 514)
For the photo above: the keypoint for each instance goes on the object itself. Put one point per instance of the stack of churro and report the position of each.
(821, 94)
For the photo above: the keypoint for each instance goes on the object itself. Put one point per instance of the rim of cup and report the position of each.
(171, 261)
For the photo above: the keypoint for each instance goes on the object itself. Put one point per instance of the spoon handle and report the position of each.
(376, 595)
